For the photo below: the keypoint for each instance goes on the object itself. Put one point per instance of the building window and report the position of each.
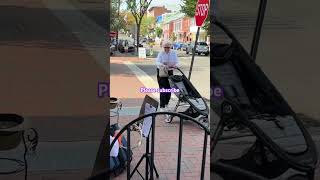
(166, 27)
(192, 22)
(178, 25)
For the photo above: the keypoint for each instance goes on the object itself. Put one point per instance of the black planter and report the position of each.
(10, 139)
(11, 136)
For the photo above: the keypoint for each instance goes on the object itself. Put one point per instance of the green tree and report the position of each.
(130, 21)
(189, 7)
(116, 18)
(146, 24)
(159, 31)
(138, 9)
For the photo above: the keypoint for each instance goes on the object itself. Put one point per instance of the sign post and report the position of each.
(142, 53)
(201, 14)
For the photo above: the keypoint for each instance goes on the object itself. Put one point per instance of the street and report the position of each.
(200, 77)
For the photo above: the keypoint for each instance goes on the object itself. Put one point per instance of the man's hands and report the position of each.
(169, 67)
(172, 67)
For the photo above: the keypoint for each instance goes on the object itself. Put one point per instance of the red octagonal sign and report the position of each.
(201, 13)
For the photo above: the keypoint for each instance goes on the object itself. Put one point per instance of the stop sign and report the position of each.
(201, 13)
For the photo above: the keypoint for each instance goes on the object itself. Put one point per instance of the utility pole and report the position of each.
(194, 52)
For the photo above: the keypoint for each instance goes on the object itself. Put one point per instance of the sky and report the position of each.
(169, 4)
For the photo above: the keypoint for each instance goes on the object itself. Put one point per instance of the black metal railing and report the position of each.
(150, 155)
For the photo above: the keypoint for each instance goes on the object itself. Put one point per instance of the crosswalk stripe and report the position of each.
(145, 79)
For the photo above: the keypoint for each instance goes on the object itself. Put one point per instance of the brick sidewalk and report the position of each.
(166, 151)
(129, 58)
(124, 84)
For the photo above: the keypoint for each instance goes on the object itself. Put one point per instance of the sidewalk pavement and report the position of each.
(166, 151)
(126, 79)
(125, 82)
(126, 70)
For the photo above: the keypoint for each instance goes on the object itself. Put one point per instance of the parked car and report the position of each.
(112, 49)
(144, 40)
(140, 44)
(123, 43)
(150, 40)
(184, 46)
(202, 47)
(113, 41)
(177, 45)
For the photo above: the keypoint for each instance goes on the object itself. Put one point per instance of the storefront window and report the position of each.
(177, 26)
(192, 23)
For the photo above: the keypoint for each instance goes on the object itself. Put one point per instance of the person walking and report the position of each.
(166, 61)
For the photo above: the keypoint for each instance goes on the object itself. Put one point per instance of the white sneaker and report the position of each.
(167, 116)
(167, 119)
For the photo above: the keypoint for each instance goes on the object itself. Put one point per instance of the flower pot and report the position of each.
(113, 102)
(10, 139)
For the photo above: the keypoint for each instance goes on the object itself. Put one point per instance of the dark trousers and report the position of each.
(164, 83)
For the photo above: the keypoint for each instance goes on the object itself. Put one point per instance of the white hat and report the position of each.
(167, 44)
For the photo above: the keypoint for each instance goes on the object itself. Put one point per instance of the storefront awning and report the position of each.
(113, 34)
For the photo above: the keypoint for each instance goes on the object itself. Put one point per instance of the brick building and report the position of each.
(157, 11)
(183, 27)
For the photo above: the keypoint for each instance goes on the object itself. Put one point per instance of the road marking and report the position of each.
(83, 28)
(145, 79)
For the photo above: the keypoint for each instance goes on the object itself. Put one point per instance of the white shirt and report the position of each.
(115, 149)
(169, 58)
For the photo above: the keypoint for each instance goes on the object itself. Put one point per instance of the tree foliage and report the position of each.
(188, 7)
(129, 20)
(159, 31)
(146, 24)
(117, 21)
(138, 8)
